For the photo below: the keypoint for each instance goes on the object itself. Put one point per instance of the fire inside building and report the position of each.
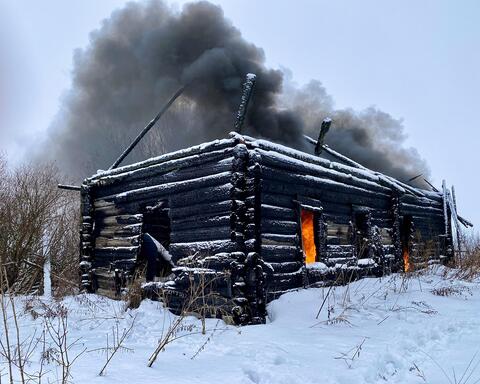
(247, 219)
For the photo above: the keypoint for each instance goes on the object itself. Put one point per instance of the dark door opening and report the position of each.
(154, 255)
(362, 235)
(406, 229)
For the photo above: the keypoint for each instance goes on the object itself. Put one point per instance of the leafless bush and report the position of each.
(353, 354)
(196, 302)
(117, 344)
(16, 349)
(467, 261)
(39, 224)
(56, 325)
(452, 291)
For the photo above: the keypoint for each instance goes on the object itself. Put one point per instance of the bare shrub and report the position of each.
(115, 344)
(467, 261)
(39, 224)
(452, 291)
(197, 302)
(350, 356)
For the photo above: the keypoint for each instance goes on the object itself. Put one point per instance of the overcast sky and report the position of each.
(417, 60)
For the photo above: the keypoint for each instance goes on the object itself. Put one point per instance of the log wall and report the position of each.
(234, 206)
(198, 190)
(343, 195)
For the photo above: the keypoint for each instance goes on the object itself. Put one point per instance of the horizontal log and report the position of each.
(101, 242)
(204, 248)
(276, 239)
(202, 195)
(435, 202)
(204, 209)
(149, 178)
(217, 145)
(415, 209)
(121, 219)
(121, 230)
(280, 200)
(285, 282)
(123, 250)
(279, 253)
(201, 221)
(278, 213)
(281, 227)
(343, 196)
(201, 234)
(164, 190)
(111, 210)
(297, 181)
(287, 267)
(352, 169)
(335, 256)
(289, 165)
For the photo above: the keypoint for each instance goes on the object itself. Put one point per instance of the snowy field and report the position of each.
(424, 329)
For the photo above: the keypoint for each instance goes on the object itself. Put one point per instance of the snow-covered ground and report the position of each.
(425, 329)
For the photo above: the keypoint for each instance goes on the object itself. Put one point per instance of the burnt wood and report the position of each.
(231, 209)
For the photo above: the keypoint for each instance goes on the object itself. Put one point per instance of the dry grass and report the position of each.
(467, 262)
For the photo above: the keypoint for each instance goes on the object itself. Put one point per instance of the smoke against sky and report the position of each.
(144, 52)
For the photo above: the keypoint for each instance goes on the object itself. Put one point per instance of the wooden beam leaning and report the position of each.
(147, 128)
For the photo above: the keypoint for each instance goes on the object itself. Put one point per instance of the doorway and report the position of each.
(406, 230)
(362, 238)
(156, 229)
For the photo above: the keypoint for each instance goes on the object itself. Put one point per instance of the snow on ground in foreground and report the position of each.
(407, 334)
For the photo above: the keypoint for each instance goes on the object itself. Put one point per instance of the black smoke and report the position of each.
(145, 51)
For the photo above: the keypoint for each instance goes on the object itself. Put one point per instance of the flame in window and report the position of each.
(308, 236)
(406, 260)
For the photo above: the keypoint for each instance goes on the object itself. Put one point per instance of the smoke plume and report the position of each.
(144, 52)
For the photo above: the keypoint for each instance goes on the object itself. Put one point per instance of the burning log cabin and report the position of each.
(259, 217)
(236, 222)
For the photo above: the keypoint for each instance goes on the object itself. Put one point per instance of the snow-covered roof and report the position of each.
(344, 165)
(347, 166)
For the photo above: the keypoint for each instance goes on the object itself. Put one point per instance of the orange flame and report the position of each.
(406, 260)
(308, 236)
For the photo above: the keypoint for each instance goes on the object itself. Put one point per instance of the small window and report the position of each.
(362, 236)
(338, 233)
(308, 236)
